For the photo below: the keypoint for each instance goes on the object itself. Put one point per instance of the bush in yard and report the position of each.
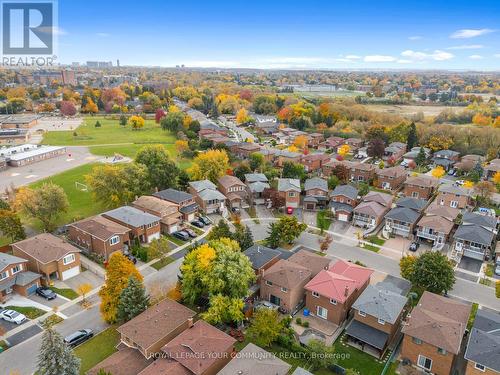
(133, 300)
(497, 289)
(286, 230)
(265, 327)
(298, 321)
(323, 355)
(55, 357)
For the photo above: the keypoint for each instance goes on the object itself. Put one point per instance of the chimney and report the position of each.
(190, 322)
(346, 291)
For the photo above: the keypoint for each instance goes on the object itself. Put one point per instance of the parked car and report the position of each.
(289, 210)
(197, 223)
(190, 232)
(236, 210)
(12, 316)
(205, 220)
(414, 246)
(181, 235)
(76, 338)
(130, 257)
(46, 293)
(459, 182)
(497, 270)
(452, 172)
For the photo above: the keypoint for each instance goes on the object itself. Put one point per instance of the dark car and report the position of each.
(46, 293)
(197, 223)
(130, 257)
(205, 220)
(78, 337)
(414, 246)
(236, 210)
(182, 235)
(190, 232)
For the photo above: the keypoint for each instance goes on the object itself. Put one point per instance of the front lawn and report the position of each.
(350, 357)
(30, 312)
(323, 220)
(374, 240)
(175, 240)
(97, 349)
(65, 292)
(162, 263)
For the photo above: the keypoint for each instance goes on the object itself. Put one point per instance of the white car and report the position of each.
(459, 182)
(12, 316)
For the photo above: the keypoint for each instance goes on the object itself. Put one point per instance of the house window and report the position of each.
(361, 313)
(291, 194)
(442, 351)
(424, 362)
(114, 240)
(333, 301)
(269, 283)
(4, 275)
(414, 194)
(69, 259)
(284, 290)
(381, 321)
(17, 269)
(416, 341)
(315, 294)
(454, 204)
(480, 367)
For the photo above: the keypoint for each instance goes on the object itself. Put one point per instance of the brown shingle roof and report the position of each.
(443, 211)
(375, 196)
(392, 172)
(287, 274)
(156, 322)
(439, 321)
(374, 209)
(154, 204)
(100, 227)
(422, 181)
(312, 261)
(199, 347)
(228, 181)
(165, 366)
(126, 361)
(45, 247)
(437, 223)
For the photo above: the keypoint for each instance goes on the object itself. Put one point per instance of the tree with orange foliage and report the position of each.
(301, 141)
(242, 117)
(90, 107)
(496, 178)
(481, 120)
(343, 150)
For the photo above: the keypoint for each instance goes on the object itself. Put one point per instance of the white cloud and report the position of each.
(103, 35)
(475, 57)
(404, 61)
(437, 55)
(379, 58)
(467, 46)
(469, 33)
(57, 31)
(415, 37)
(352, 57)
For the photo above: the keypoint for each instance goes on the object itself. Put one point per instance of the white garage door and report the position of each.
(343, 217)
(173, 229)
(70, 273)
(190, 217)
(154, 236)
(293, 204)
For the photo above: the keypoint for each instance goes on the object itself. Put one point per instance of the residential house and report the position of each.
(394, 152)
(208, 198)
(283, 285)
(402, 219)
(376, 319)
(244, 149)
(187, 206)
(361, 172)
(256, 184)
(434, 332)
(329, 166)
(331, 144)
(437, 224)
(99, 235)
(370, 212)
(421, 187)
(491, 169)
(468, 162)
(362, 153)
(314, 139)
(143, 225)
(314, 162)
(168, 212)
(331, 293)
(483, 348)
(285, 156)
(316, 193)
(343, 199)
(475, 237)
(354, 143)
(390, 178)
(413, 153)
(255, 360)
(445, 159)
(313, 262)
(49, 255)
(234, 190)
(143, 337)
(289, 191)
(15, 277)
(262, 258)
(450, 195)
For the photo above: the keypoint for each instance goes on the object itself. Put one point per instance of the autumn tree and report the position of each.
(133, 300)
(376, 148)
(438, 172)
(90, 107)
(300, 141)
(242, 116)
(162, 171)
(343, 150)
(136, 122)
(55, 356)
(11, 226)
(431, 271)
(83, 289)
(209, 165)
(45, 204)
(224, 309)
(341, 172)
(325, 242)
(439, 142)
(172, 122)
(118, 272)
(159, 114)
(484, 190)
(284, 231)
(67, 108)
(407, 266)
(265, 327)
(496, 178)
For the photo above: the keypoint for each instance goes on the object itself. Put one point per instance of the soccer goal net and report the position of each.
(80, 186)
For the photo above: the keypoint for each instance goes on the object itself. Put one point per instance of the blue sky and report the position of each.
(375, 34)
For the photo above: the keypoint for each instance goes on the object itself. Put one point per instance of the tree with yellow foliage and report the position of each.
(481, 119)
(186, 122)
(343, 150)
(439, 142)
(90, 107)
(496, 178)
(468, 184)
(438, 172)
(173, 108)
(242, 117)
(293, 148)
(181, 146)
(300, 141)
(136, 122)
(209, 165)
(118, 272)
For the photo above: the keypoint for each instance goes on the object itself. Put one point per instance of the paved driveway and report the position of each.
(84, 278)
(7, 326)
(469, 264)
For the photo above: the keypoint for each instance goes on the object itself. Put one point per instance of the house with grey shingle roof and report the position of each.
(402, 219)
(377, 316)
(454, 196)
(475, 237)
(206, 195)
(187, 206)
(144, 226)
(316, 193)
(289, 191)
(15, 277)
(483, 349)
(446, 158)
(257, 183)
(343, 199)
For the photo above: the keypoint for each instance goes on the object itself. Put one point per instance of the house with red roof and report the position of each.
(331, 293)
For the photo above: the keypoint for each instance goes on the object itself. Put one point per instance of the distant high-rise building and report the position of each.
(69, 77)
(99, 64)
(118, 63)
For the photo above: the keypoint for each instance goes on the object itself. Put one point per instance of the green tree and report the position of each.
(55, 357)
(286, 230)
(333, 181)
(45, 203)
(421, 158)
(412, 140)
(431, 271)
(221, 230)
(172, 122)
(133, 300)
(256, 161)
(265, 327)
(363, 188)
(162, 171)
(123, 120)
(224, 309)
(241, 170)
(323, 356)
(243, 235)
(11, 226)
(407, 266)
(293, 170)
(183, 180)
(4, 205)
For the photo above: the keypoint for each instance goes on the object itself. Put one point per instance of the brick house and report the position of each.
(285, 156)
(468, 162)
(370, 212)
(331, 293)
(208, 198)
(49, 255)
(434, 332)
(475, 238)
(331, 144)
(453, 196)
(421, 187)
(314, 139)
(234, 189)
(354, 143)
(361, 172)
(343, 199)
(256, 184)
(329, 166)
(187, 206)
(445, 158)
(245, 149)
(99, 235)
(402, 219)
(437, 224)
(390, 178)
(15, 277)
(168, 212)
(316, 193)
(377, 315)
(289, 191)
(262, 258)
(394, 151)
(313, 262)
(143, 226)
(283, 285)
(314, 162)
